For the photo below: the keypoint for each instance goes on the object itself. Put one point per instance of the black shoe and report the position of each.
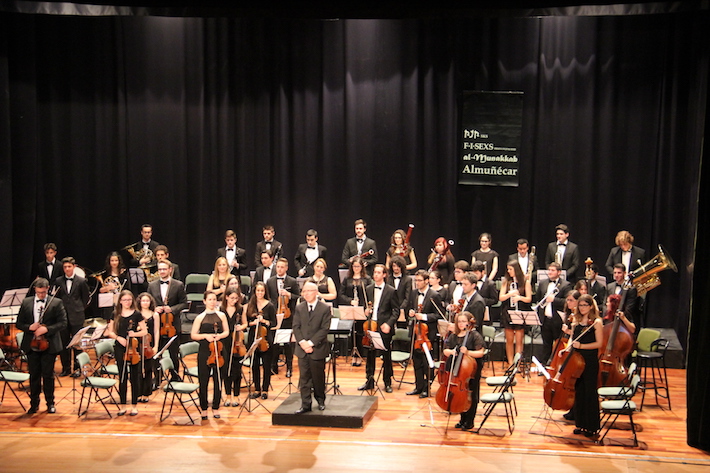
(64, 373)
(51, 409)
(569, 415)
(321, 406)
(288, 373)
(302, 410)
(204, 417)
(366, 387)
(356, 361)
(589, 434)
(264, 395)
(578, 431)
(254, 395)
(388, 388)
(414, 393)
(32, 410)
(424, 394)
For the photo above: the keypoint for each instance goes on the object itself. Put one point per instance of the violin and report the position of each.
(167, 328)
(238, 347)
(215, 358)
(421, 333)
(283, 307)
(40, 343)
(371, 325)
(559, 390)
(148, 351)
(617, 342)
(133, 354)
(261, 332)
(454, 375)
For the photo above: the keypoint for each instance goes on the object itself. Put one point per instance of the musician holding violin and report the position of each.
(587, 344)
(399, 246)
(360, 246)
(283, 291)
(234, 345)
(261, 317)
(43, 316)
(464, 341)
(441, 259)
(127, 328)
(149, 368)
(208, 329)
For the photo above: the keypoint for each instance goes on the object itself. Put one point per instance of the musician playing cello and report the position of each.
(473, 347)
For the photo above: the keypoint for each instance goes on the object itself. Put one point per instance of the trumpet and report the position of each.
(543, 303)
(514, 287)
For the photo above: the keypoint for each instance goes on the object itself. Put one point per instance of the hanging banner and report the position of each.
(491, 126)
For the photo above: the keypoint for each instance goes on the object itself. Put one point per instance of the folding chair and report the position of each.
(399, 356)
(187, 349)
(500, 396)
(94, 384)
(624, 406)
(104, 350)
(11, 377)
(497, 382)
(618, 392)
(489, 335)
(177, 389)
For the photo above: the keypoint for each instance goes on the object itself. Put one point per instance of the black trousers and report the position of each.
(551, 331)
(68, 355)
(41, 368)
(233, 380)
(372, 355)
(312, 376)
(206, 372)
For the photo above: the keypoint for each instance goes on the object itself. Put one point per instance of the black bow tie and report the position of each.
(41, 300)
(50, 264)
(378, 287)
(561, 244)
(359, 240)
(70, 279)
(311, 247)
(397, 277)
(279, 278)
(164, 282)
(230, 249)
(422, 293)
(554, 282)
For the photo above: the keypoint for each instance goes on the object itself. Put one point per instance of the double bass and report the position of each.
(566, 368)
(618, 343)
(454, 375)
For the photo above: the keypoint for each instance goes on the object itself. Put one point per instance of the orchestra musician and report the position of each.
(284, 287)
(454, 289)
(517, 291)
(266, 269)
(113, 280)
(431, 311)
(563, 252)
(268, 243)
(551, 294)
(236, 257)
(586, 400)
(40, 315)
(570, 311)
(126, 328)
(401, 282)
(435, 284)
(50, 268)
(149, 381)
(473, 301)
(311, 323)
(442, 260)
(144, 248)
(385, 312)
(74, 293)
(523, 256)
(629, 312)
(359, 245)
(487, 255)
(236, 319)
(217, 282)
(352, 292)
(171, 299)
(208, 329)
(625, 252)
(595, 289)
(260, 311)
(472, 346)
(326, 286)
(161, 253)
(486, 287)
(398, 248)
(308, 253)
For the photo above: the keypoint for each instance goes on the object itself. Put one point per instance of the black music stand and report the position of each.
(74, 343)
(526, 318)
(282, 337)
(246, 405)
(338, 327)
(353, 313)
(377, 344)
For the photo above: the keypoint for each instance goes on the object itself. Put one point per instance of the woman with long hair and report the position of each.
(217, 282)
(517, 292)
(236, 319)
(113, 280)
(397, 248)
(441, 259)
(352, 293)
(262, 313)
(146, 306)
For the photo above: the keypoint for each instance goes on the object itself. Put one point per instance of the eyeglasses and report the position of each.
(583, 304)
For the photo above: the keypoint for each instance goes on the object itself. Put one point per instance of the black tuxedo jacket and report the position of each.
(388, 310)
(570, 262)
(450, 292)
(55, 319)
(402, 292)
(301, 261)
(76, 300)
(259, 274)
(489, 292)
(239, 254)
(558, 305)
(276, 246)
(631, 303)
(432, 307)
(152, 244)
(598, 292)
(291, 286)
(536, 266)
(477, 306)
(177, 298)
(312, 327)
(615, 257)
(56, 272)
(350, 250)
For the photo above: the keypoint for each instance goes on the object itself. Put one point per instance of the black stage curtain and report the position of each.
(197, 125)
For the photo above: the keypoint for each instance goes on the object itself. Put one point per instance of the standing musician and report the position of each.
(161, 253)
(268, 243)
(527, 261)
(399, 246)
(171, 299)
(267, 268)
(595, 289)
(486, 287)
(149, 382)
(74, 292)
(487, 255)
(473, 301)
(625, 252)
(430, 312)
(401, 282)
(126, 328)
(308, 253)
(551, 295)
(113, 280)
(563, 252)
(455, 290)
(236, 257)
(352, 292)
(284, 291)
(586, 400)
(208, 329)
(360, 245)
(40, 317)
(435, 284)
(326, 285)
(143, 252)
(385, 312)
(236, 318)
(217, 282)
(311, 322)
(441, 259)
(49, 269)
(629, 312)
(517, 291)
(260, 311)
(472, 346)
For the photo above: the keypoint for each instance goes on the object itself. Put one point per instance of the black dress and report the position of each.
(232, 376)
(348, 290)
(211, 323)
(474, 342)
(262, 360)
(134, 371)
(586, 400)
(487, 258)
(505, 321)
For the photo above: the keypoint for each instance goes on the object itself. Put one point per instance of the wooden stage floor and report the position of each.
(400, 437)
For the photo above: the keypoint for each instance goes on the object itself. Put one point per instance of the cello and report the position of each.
(454, 375)
(618, 343)
(559, 390)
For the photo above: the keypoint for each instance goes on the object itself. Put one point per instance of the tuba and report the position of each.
(646, 277)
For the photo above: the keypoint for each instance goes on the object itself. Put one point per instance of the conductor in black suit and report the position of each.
(308, 253)
(625, 252)
(564, 252)
(49, 269)
(236, 257)
(170, 298)
(311, 323)
(268, 243)
(359, 245)
(385, 312)
(74, 293)
(41, 363)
